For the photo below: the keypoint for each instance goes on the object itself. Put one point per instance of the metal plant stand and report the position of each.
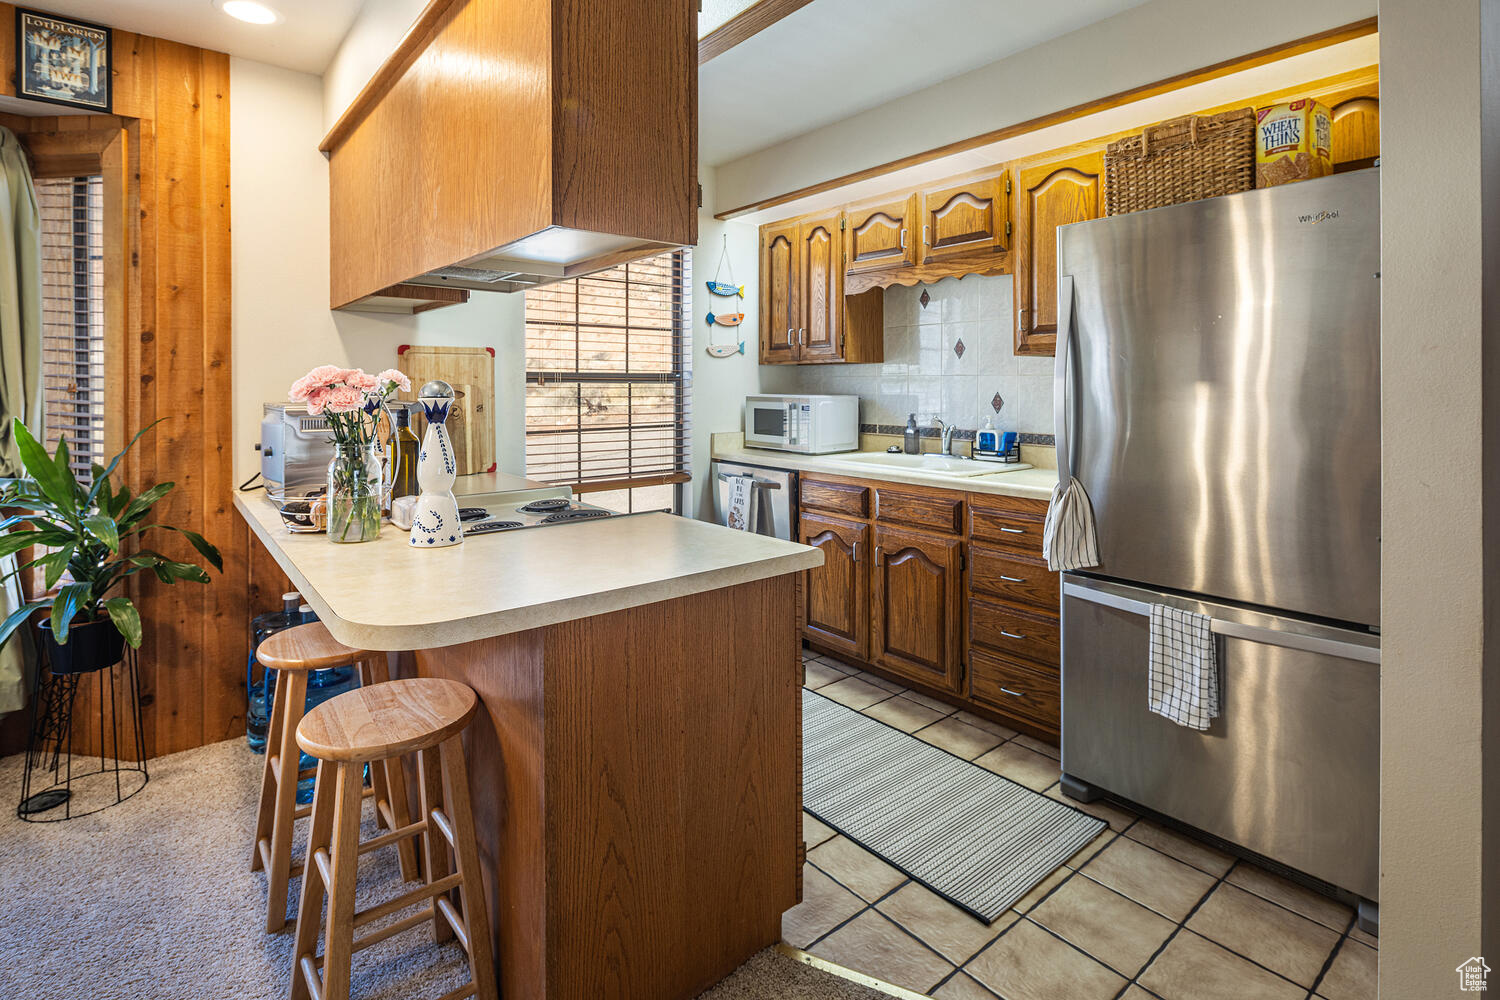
(49, 750)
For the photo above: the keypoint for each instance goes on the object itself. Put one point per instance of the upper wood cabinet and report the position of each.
(1356, 132)
(805, 317)
(837, 594)
(780, 302)
(879, 236)
(966, 218)
(498, 120)
(1048, 195)
(917, 606)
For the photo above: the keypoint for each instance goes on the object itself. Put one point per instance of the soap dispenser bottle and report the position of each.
(912, 444)
(987, 441)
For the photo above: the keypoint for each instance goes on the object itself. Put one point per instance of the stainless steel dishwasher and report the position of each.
(776, 500)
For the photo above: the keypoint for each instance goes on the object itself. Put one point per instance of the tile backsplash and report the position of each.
(927, 372)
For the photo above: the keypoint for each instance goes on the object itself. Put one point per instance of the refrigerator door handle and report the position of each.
(1060, 375)
(1238, 630)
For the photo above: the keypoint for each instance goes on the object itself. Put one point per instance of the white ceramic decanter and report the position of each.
(434, 522)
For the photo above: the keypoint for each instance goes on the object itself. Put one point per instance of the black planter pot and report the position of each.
(90, 646)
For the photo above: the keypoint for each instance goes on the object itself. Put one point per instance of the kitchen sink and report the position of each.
(943, 465)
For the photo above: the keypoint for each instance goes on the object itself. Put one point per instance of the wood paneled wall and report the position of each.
(172, 100)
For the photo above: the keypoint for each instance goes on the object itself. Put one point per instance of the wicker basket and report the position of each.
(1184, 159)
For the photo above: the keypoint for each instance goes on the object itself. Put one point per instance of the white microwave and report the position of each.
(813, 425)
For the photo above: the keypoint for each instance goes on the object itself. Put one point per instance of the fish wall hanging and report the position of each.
(725, 289)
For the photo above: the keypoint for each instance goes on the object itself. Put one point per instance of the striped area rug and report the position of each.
(980, 840)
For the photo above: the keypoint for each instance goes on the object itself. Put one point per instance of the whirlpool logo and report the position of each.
(1317, 217)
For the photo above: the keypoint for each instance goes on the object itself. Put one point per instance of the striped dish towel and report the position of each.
(1068, 540)
(1184, 667)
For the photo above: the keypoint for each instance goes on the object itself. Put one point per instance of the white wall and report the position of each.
(720, 385)
(1140, 45)
(373, 36)
(1440, 683)
(282, 323)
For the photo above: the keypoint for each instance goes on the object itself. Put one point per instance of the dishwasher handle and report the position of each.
(764, 484)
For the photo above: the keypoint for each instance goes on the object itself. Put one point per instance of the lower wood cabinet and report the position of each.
(836, 599)
(944, 590)
(917, 606)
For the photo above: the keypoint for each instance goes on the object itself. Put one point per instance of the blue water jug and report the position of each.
(260, 682)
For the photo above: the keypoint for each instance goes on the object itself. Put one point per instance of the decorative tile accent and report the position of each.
(958, 348)
(925, 298)
(997, 402)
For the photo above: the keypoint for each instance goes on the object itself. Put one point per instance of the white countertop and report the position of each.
(1036, 483)
(388, 595)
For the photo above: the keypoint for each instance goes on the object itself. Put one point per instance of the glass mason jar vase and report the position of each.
(354, 492)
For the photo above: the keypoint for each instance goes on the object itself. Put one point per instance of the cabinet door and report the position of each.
(780, 305)
(965, 219)
(879, 236)
(837, 593)
(821, 287)
(917, 607)
(1047, 196)
(1356, 132)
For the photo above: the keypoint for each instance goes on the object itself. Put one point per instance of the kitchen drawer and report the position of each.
(1015, 578)
(1012, 632)
(1016, 526)
(934, 511)
(1014, 688)
(840, 498)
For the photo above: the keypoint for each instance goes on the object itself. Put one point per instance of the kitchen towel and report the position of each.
(1184, 683)
(1068, 540)
(741, 512)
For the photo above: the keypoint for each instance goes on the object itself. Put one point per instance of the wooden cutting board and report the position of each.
(471, 419)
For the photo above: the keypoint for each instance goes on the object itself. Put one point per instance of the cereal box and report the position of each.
(1292, 143)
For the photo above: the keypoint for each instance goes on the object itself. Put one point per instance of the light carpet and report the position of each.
(970, 835)
(154, 898)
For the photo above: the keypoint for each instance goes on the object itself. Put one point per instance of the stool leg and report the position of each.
(294, 694)
(267, 811)
(435, 848)
(338, 944)
(310, 911)
(389, 779)
(476, 920)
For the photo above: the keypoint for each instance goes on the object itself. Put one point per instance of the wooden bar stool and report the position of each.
(380, 723)
(294, 652)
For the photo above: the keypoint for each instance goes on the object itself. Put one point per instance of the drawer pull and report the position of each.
(1013, 531)
(1013, 694)
(1011, 579)
(1011, 635)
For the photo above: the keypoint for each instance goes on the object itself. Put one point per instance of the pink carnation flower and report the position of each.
(316, 399)
(343, 399)
(358, 378)
(319, 378)
(391, 375)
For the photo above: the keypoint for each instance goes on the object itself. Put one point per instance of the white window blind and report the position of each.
(608, 382)
(72, 231)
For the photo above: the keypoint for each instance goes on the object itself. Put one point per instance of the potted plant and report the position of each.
(93, 533)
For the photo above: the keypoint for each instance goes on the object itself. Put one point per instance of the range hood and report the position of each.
(511, 143)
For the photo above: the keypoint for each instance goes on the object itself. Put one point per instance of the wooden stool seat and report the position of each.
(384, 720)
(425, 717)
(308, 647)
(295, 652)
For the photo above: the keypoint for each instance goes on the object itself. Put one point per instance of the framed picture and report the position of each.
(63, 61)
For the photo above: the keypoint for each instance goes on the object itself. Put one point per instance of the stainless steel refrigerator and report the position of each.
(1218, 369)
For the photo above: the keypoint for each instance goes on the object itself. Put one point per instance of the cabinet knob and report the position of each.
(789, 336)
(1011, 635)
(1013, 694)
(1013, 531)
(1011, 579)
(879, 553)
(1021, 317)
(926, 242)
(903, 237)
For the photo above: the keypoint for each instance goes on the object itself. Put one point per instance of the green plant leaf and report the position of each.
(102, 527)
(100, 491)
(122, 612)
(114, 462)
(122, 500)
(57, 562)
(16, 541)
(18, 617)
(143, 503)
(205, 548)
(57, 486)
(70, 600)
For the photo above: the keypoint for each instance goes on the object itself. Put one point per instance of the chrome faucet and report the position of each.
(947, 435)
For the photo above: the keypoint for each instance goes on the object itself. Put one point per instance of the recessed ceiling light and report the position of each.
(249, 11)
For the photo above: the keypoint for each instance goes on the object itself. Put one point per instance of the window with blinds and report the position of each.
(72, 231)
(608, 383)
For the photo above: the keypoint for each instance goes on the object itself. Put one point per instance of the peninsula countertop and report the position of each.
(387, 595)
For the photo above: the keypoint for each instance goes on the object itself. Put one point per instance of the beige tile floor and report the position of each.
(1141, 912)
